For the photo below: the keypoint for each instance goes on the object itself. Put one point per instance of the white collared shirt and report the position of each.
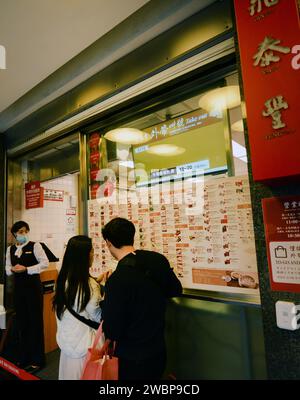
(39, 254)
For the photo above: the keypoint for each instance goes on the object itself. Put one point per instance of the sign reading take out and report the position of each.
(269, 42)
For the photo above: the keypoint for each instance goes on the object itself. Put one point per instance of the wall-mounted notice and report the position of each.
(53, 195)
(282, 228)
(205, 229)
(34, 195)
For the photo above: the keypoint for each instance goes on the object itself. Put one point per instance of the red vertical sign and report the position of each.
(34, 195)
(95, 156)
(282, 228)
(269, 42)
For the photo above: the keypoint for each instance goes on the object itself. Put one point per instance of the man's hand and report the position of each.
(18, 268)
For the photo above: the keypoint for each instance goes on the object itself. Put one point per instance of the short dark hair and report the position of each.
(18, 225)
(120, 232)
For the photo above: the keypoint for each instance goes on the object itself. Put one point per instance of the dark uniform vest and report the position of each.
(28, 295)
(27, 259)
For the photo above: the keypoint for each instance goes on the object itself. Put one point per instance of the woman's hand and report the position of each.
(18, 268)
(104, 276)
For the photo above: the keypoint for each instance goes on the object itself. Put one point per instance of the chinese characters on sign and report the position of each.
(282, 227)
(270, 61)
(265, 54)
(53, 195)
(256, 5)
(187, 122)
(273, 106)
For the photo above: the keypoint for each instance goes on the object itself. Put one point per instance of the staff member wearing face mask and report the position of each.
(25, 260)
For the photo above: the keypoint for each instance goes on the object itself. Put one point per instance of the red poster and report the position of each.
(269, 42)
(34, 195)
(282, 229)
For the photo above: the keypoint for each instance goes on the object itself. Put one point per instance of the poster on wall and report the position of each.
(282, 229)
(53, 195)
(206, 235)
(34, 195)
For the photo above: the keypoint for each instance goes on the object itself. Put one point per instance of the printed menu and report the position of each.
(205, 230)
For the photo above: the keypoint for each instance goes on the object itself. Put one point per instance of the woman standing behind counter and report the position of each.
(25, 260)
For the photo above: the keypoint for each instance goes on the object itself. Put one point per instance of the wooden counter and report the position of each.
(50, 274)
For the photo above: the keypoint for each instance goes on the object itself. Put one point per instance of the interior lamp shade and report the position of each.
(166, 150)
(127, 136)
(221, 99)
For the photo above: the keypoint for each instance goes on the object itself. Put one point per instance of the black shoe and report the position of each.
(22, 365)
(32, 369)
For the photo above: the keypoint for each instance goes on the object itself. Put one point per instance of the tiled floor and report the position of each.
(50, 372)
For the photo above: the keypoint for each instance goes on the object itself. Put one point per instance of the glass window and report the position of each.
(180, 174)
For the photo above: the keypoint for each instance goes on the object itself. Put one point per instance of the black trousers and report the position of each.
(28, 297)
(148, 369)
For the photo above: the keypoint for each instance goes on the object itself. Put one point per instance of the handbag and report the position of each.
(101, 364)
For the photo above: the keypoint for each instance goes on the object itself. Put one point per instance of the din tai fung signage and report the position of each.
(269, 42)
(282, 229)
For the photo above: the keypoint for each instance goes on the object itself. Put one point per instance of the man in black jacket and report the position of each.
(135, 302)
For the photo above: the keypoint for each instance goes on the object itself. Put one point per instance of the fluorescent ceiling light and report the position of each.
(62, 146)
(221, 99)
(238, 150)
(238, 126)
(166, 150)
(127, 136)
(45, 153)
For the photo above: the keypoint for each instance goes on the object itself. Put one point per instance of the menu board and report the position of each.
(204, 228)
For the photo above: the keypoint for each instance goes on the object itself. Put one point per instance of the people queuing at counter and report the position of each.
(131, 302)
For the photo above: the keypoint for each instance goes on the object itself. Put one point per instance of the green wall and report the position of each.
(211, 340)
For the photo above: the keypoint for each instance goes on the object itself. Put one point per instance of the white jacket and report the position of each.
(73, 336)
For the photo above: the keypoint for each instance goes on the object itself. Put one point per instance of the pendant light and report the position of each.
(130, 136)
(221, 99)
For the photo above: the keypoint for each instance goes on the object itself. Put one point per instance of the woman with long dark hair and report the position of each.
(76, 291)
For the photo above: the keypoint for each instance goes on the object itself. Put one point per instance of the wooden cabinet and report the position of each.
(48, 278)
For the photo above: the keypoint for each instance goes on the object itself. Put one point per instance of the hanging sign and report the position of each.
(95, 155)
(34, 195)
(269, 42)
(282, 229)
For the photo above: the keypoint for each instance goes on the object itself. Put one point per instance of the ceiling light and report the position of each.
(166, 150)
(238, 126)
(127, 136)
(221, 99)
